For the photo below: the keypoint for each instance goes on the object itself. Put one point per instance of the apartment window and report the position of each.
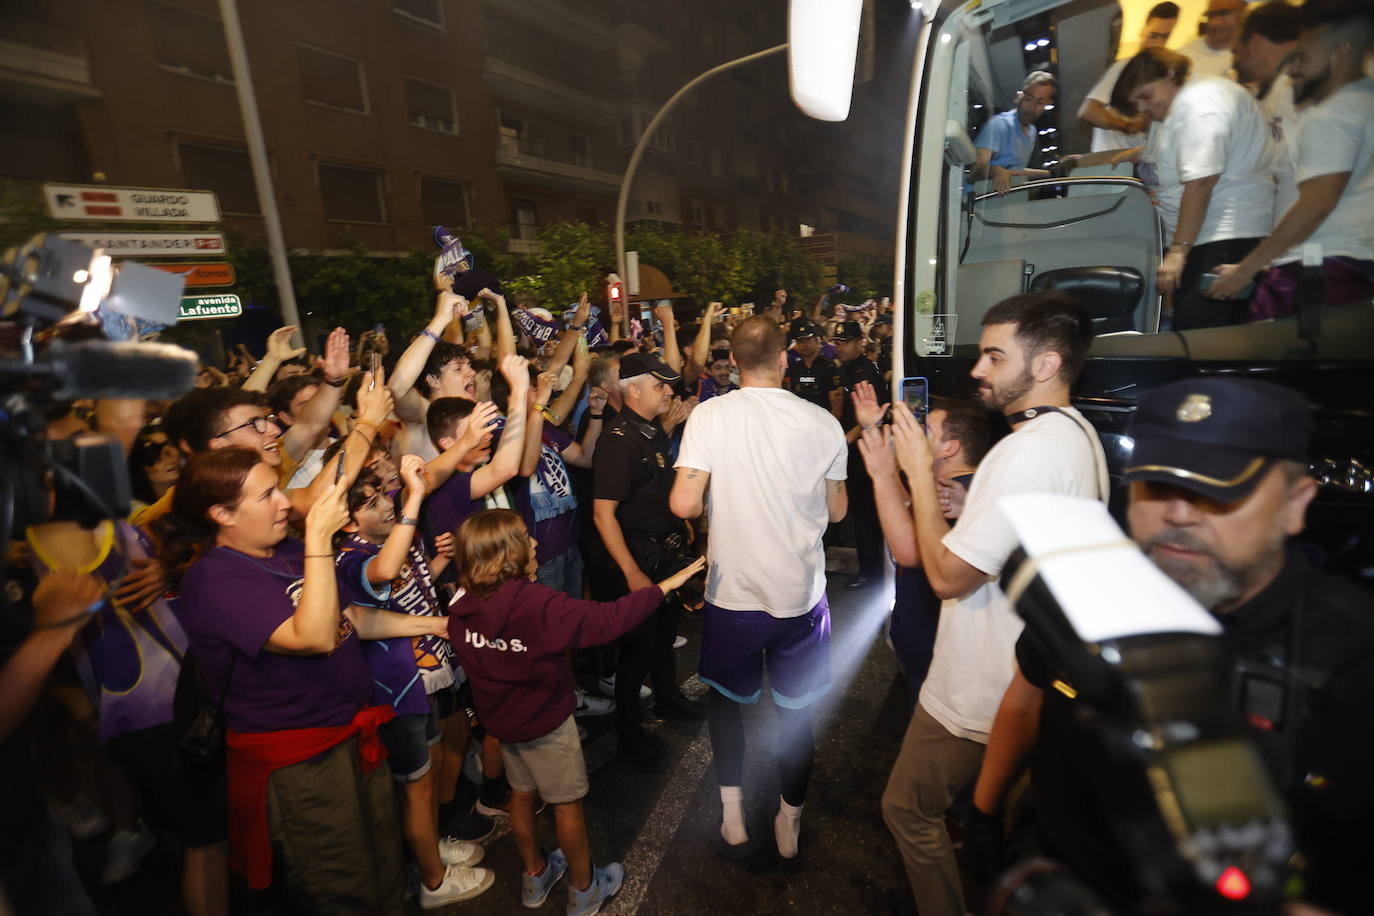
(697, 211)
(189, 43)
(331, 79)
(351, 194)
(444, 203)
(425, 12)
(525, 220)
(717, 168)
(430, 106)
(806, 230)
(580, 149)
(224, 170)
(694, 153)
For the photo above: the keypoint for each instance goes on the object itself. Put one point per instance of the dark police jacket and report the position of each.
(633, 464)
(1302, 677)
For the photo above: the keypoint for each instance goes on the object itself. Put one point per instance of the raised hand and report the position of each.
(375, 400)
(326, 516)
(337, 356)
(912, 447)
(867, 410)
(584, 311)
(543, 388)
(279, 344)
(413, 473)
(596, 400)
(517, 372)
(482, 416)
(875, 446)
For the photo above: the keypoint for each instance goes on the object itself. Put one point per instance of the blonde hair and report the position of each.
(493, 547)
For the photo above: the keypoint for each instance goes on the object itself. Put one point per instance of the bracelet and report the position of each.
(1181, 245)
(431, 335)
(365, 422)
(319, 556)
(407, 520)
(595, 416)
(336, 384)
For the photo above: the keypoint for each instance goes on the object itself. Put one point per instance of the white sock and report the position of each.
(732, 823)
(786, 829)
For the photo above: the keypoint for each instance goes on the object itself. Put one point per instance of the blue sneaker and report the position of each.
(605, 884)
(534, 889)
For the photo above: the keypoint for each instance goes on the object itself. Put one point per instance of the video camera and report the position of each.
(53, 294)
(1193, 809)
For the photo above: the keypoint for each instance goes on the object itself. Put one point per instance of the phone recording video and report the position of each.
(915, 392)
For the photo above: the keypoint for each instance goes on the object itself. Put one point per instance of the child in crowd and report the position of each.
(511, 633)
(380, 564)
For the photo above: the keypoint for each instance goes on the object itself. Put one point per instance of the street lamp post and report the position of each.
(633, 165)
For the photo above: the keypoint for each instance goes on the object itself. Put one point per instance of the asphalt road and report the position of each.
(660, 826)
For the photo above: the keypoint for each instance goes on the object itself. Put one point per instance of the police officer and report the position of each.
(633, 468)
(810, 375)
(854, 368)
(1219, 484)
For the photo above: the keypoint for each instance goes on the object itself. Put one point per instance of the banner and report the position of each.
(535, 328)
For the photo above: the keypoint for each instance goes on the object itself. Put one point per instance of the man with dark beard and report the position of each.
(1219, 484)
(1033, 346)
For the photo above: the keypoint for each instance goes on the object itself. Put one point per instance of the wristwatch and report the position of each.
(407, 520)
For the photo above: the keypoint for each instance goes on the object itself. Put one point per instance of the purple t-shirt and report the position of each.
(397, 676)
(446, 508)
(231, 604)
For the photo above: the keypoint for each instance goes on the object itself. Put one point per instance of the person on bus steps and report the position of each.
(1006, 142)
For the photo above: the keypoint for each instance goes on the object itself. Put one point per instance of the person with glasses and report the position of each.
(154, 465)
(1211, 51)
(1007, 141)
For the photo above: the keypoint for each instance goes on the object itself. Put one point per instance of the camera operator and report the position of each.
(1218, 485)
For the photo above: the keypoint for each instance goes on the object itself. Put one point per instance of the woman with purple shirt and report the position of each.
(266, 625)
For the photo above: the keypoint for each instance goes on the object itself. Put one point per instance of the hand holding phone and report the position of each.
(915, 393)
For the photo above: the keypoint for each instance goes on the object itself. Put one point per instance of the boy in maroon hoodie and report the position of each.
(511, 635)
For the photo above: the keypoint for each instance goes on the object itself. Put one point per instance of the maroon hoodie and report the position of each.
(512, 645)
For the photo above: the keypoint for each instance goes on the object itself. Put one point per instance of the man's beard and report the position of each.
(1212, 583)
(1307, 89)
(997, 398)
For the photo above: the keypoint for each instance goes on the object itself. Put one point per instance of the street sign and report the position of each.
(218, 274)
(151, 244)
(225, 306)
(145, 205)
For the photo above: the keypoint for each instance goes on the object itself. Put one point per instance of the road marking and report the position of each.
(650, 844)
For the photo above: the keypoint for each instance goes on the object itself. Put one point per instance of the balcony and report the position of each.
(642, 28)
(516, 84)
(44, 64)
(570, 23)
(555, 169)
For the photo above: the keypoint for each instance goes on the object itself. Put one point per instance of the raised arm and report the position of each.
(701, 346)
(672, 355)
(279, 350)
(505, 332)
(412, 361)
(562, 408)
(581, 453)
(505, 461)
(315, 415)
(892, 499)
(374, 406)
(386, 566)
(314, 626)
(440, 468)
(534, 424)
(567, 343)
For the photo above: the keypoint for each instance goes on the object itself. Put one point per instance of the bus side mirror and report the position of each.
(822, 44)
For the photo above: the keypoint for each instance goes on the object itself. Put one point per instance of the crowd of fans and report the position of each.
(1256, 141)
(328, 555)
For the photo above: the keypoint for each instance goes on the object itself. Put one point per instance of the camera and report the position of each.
(56, 300)
(1193, 810)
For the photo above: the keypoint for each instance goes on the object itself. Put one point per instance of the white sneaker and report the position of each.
(460, 852)
(607, 685)
(459, 884)
(83, 818)
(679, 642)
(588, 705)
(126, 852)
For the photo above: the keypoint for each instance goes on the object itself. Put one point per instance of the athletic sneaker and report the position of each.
(607, 685)
(679, 642)
(502, 810)
(534, 889)
(605, 884)
(83, 818)
(460, 852)
(459, 884)
(467, 825)
(588, 705)
(126, 852)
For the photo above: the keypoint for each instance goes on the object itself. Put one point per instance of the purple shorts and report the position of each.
(736, 646)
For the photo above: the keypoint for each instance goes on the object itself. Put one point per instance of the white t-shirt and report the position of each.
(1207, 62)
(1104, 139)
(1338, 136)
(976, 638)
(1214, 127)
(769, 454)
(1284, 121)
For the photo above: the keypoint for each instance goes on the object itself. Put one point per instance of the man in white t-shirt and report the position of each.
(1033, 346)
(1269, 36)
(776, 465)
(1210, 52)
(1111, 128)
(1335, 173)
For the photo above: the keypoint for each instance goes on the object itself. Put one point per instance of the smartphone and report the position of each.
(375, 367)
(915, 391)
(1205, 283)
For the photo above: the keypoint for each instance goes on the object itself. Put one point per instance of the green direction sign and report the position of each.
(222, 306)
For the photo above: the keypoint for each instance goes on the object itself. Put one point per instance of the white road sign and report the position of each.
(147, 205)
(151, 244)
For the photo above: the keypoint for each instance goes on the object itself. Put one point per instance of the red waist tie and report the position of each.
(253, 758)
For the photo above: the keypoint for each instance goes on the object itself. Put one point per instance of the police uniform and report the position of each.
(863, 511)
(815, 382)
(633, 465)
(1302, 656)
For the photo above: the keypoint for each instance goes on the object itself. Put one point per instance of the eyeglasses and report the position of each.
(259, 424)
